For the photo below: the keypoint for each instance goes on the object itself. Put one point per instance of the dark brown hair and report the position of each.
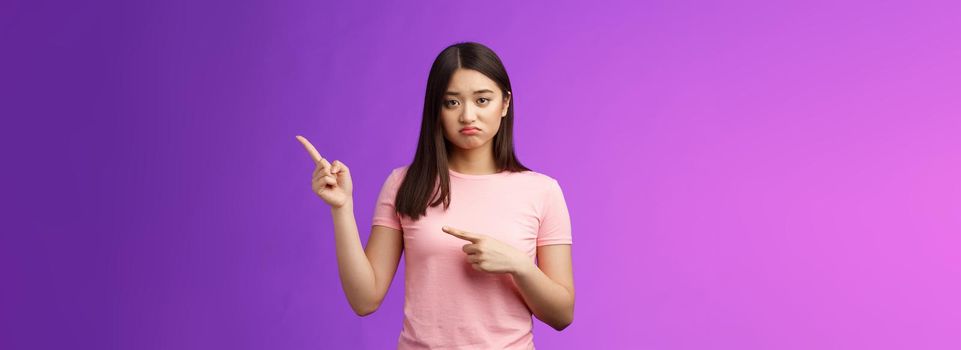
(420, 185)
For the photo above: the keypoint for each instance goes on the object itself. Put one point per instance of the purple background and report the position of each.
(740, 175)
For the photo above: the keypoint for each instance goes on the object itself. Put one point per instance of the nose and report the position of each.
(468, 114)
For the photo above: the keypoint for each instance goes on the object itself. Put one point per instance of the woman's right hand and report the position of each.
(331, 181)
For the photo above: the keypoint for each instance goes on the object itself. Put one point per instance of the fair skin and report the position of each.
(474, 100)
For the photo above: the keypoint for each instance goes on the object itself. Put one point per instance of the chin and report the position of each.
(470, 146)
(466, 147)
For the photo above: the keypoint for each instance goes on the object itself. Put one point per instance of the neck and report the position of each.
(477, 161)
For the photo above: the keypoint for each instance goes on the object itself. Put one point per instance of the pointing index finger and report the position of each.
(310, 149)
(461, 234)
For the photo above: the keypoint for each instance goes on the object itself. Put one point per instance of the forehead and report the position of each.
(469, 80)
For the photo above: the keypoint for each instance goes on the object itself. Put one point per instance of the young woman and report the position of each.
(472, 280)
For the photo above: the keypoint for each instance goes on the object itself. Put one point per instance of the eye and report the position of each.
(450, 102)
(485, 100)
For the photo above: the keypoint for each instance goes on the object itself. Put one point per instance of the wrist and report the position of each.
(347, 206)
(523, 269)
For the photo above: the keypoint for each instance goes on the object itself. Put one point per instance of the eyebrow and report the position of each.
(475, 92)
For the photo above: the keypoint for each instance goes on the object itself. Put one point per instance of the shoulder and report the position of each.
(396, 175)
(536, 175)
(541, 181)
(399, 172)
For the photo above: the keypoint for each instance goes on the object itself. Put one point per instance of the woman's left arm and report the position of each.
(548, 287)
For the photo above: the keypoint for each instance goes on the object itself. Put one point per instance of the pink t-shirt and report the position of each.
(448, 304)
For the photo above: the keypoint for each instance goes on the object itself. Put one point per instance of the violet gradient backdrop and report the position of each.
(740, 175)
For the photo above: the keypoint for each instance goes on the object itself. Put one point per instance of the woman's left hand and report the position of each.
(487, 254)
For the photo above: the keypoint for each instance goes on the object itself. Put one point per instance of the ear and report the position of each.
(507, 104)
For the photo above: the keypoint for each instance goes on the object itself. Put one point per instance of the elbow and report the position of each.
(560, 325)
(364, 310)
(564, 321)
(565, 318)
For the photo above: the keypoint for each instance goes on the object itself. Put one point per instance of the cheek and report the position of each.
(494, 119)
(486, 115)
(450, 126)
(448, 121)
(495, 128)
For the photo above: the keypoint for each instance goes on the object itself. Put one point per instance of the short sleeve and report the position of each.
(385, 214)
(555, 225)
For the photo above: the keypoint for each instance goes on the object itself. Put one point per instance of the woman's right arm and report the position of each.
(365, 274)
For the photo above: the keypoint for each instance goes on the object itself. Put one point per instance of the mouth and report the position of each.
(469, 131)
